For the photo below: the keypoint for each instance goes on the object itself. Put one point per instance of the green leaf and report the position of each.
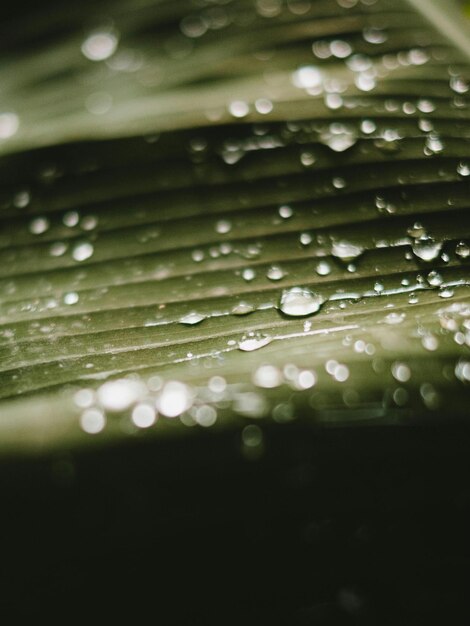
(215, 218)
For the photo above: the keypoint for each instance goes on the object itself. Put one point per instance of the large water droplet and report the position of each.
(253, 341)
(427, 248)
(345, 250)
(300, 301)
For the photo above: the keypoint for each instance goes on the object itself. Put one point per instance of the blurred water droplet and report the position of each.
(463, 169)
(99, 46)
(248, 274)
(307, 77)
(285, 212)
(143, 415)
(401, 372)
(434, 279)
(267, 376)
(39, 225)
(239, 108)
(21, 199)
(223, 226)
(92, 421)
(71, 298)
(82, 251)
(174, 399)
(395, 318)
(300, 301)
(9, 124)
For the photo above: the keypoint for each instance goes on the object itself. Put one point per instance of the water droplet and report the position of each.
(143, 415)
(223, 227)
(267, 376)
(307, 159)
(248, 274)
(446, 292)
(275, 273)
(39, 225)
(9, 124)
(305, 239)
(463, 169)
(253, 341)
(339, 183)
(285, 212)
(433, 145)
(119, 395)
(239, 108)
(99, 46)
(345, 250)
(174, 399)
(426, 248)
(192, 318)
(416, 230)
(307, 77)
(401, 372)
(92, 421)
(82, 251)
(197, 255)
(339, 138)
(71, 219)
(462, 250)
(430, 342)
(264, 106)
(368, 127)
(71, 297)
(21, 199)
(323, 268)
(395, 318)
(252, 436)
(300, 301)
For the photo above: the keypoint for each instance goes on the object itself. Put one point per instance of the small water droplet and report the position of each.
(71, 297)
(248, 274)
(275, 273)
(83, 251)
(239, 108)
(192, 318)
(39, 225)
(395, 318)
(434, 279)
(223, 226)
(285, 211)
(267, 376)
(401, 372)
(462, 250)
(463, 169)
(323, 268)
